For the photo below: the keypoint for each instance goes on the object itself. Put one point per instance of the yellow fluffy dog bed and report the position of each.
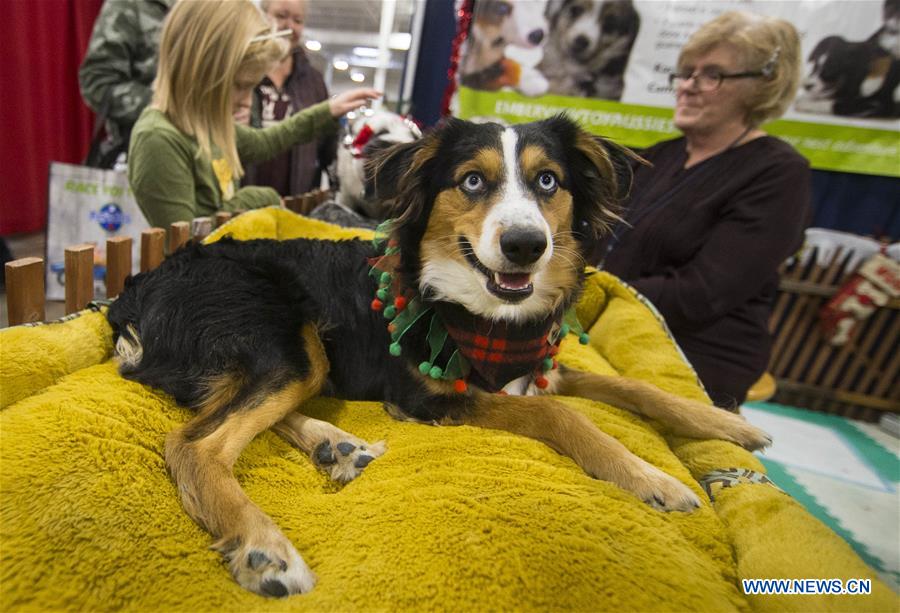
(457, 519)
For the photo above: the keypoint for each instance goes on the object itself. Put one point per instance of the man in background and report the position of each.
(117, 72)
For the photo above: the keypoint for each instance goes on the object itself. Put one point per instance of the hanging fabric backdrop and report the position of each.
(607, 64)
(42, 43)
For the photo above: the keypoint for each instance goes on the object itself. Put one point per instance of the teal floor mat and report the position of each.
(842, 475)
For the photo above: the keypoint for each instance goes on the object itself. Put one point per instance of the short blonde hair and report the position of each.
(206, 48)
(758, 41)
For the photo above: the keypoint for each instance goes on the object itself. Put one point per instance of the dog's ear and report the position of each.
(552, 11)
(400, 175)
(602, 175)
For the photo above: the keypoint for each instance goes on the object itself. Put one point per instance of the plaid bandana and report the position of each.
(499, 352)
(488, 353)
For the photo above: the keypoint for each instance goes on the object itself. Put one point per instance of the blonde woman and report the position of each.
(723, 206)
(186, 153)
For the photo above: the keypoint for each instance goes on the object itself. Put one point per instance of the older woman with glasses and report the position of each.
(709, 222)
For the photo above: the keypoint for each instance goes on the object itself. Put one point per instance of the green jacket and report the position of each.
(172, 182)
(120, 64)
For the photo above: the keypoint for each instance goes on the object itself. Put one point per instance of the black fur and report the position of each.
(238, 307)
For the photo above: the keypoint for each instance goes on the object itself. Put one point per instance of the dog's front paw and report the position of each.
(345, 457)
(660, 490)
(738, 430)
(267, 564)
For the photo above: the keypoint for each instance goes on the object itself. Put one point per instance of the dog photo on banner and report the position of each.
(607, 64)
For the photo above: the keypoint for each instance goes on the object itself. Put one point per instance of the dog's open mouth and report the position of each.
(509, 286)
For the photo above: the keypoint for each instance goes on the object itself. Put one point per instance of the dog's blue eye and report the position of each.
(473, 182)
(547, 181)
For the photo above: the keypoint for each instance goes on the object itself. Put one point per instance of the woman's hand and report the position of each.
(351, 99)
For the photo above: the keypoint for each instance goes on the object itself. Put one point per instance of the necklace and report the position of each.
(732, 145)
(735, 142)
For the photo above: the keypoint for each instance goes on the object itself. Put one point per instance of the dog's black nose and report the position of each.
(535, 37)
(580, 44)
(523, 246)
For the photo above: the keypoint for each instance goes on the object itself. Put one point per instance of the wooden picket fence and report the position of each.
(860, 379)
(25, 297)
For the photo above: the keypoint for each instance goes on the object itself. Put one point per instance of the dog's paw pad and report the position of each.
(267, 563)
(363, 461)
(352, 456)
(257, 559)
(324, 454)
(274, 588)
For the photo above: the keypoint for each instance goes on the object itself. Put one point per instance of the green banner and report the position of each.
(828, 147)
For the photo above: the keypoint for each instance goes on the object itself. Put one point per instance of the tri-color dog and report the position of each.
(483, 263)
(588, 46)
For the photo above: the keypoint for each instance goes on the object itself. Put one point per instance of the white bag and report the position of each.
(88, 205)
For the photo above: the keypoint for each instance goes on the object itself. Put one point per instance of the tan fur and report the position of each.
(221, 390)
(202, 471)
(575, 436)
(684, 417)
(534, 159)
(451, 217)
(487, 161)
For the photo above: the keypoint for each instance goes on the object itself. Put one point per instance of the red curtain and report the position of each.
(43, 116)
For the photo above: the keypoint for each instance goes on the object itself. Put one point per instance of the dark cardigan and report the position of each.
(304, 162)
(704, 247)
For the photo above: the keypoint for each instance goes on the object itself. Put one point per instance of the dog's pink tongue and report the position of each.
(513, 280)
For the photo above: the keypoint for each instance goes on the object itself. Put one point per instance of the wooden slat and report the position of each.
(118, 264)
(79, 262)
(308, 204)
(784, 298)
(200, 228)
(293, 203)
(152, 248)
(816, 289)
(866, 339)
(813, 341)
(179, 234)
(24, 290)
(221, 217)
(804, 390)
(787, 328)
(804, 309)
(887, 337)
(889, 372)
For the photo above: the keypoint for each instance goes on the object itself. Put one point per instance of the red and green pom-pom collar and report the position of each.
(487, 353)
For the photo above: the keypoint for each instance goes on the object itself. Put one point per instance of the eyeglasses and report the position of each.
(708, 80)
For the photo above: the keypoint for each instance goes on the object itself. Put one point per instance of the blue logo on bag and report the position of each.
(110, 217)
